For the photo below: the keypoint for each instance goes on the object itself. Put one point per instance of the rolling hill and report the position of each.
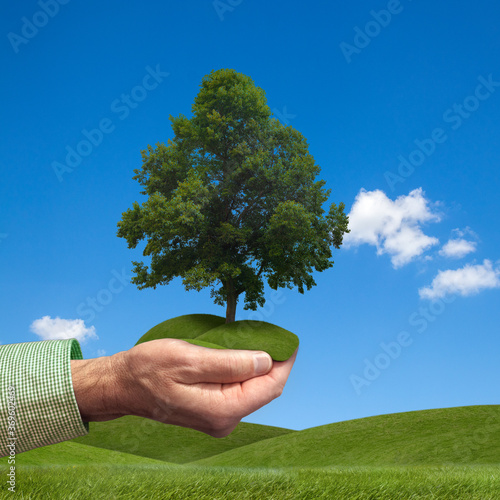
(148, 438)
(71, 453)
(463, 435)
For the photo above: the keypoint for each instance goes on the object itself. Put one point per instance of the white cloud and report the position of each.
(101, 352)
(457, 248)
(468, 280)
(51, 329)
(465, 232)
(393, 227)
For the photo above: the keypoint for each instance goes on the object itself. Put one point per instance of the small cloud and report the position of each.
(458, 248)
(461, 233)
(53, 329)
(101, 352)
(468, 280)
(393, 227)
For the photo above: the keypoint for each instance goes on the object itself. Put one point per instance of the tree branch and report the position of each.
(261, 268)
(248, 207)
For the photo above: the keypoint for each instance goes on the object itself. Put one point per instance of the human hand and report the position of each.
(179, 383)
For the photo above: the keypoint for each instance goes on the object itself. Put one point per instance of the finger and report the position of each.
(226, 365)
(260, 391)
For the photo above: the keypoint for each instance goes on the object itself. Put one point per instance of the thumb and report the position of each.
(231, 365)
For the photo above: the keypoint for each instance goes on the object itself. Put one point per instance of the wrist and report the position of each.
(97, 385)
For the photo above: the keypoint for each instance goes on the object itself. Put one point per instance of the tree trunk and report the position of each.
(232, 300)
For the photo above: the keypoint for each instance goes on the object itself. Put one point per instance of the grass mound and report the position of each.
(253, 335)
(187, 326)
(463, 435)
(212, 331)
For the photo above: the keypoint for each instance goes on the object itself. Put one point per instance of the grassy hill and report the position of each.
(450, 453)
(463, 435)
(148, 438)
(73, 453)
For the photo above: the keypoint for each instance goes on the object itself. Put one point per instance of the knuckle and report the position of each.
(226, 367)
(231, 364)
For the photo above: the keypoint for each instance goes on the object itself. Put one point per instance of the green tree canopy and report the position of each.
(232, 199)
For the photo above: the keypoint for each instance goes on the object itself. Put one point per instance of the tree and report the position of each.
(232, 199)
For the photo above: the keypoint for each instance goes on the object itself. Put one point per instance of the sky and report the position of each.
(400, 105)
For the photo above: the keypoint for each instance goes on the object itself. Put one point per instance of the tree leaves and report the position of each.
(232, 200)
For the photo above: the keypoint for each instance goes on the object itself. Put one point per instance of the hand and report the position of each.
(174, 382)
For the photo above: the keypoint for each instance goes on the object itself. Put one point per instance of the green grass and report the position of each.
(148, 438)
(463, 435)
(187, 482)
(279, 343)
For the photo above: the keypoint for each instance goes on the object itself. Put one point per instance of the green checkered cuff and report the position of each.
(37, 403)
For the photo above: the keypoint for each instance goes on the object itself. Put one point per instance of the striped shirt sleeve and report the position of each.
(37, 402)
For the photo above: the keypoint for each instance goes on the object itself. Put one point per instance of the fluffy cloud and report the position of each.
(457, 248)
(393, 227)
(468, 280)
(51, 329)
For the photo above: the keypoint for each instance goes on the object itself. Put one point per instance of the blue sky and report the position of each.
(399, 102)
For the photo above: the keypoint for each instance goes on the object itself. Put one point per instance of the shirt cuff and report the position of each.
(37, 402)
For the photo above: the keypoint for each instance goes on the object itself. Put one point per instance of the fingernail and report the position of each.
(263, 363)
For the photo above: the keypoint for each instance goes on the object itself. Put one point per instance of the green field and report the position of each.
(450, 453)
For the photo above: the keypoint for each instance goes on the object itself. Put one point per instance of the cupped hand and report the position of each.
(209, 390)
(175, 382)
